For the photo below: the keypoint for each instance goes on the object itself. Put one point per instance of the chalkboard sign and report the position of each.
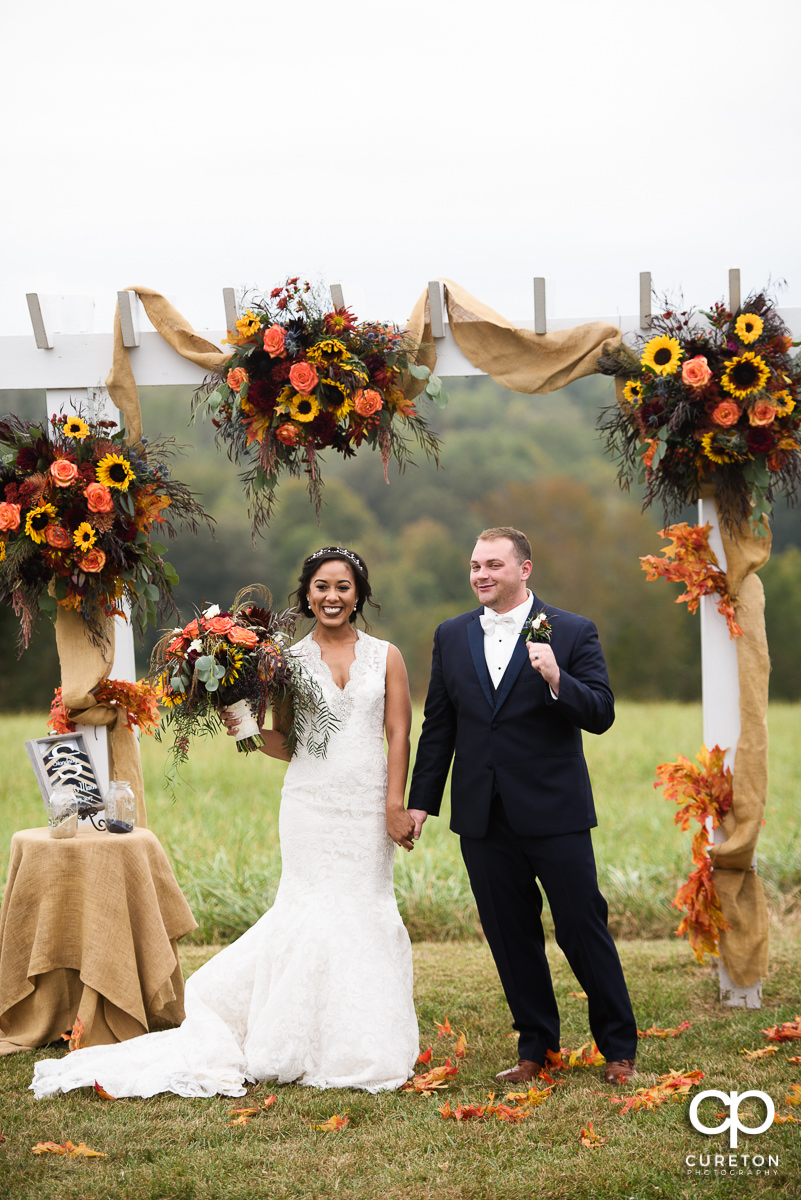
(64, 758)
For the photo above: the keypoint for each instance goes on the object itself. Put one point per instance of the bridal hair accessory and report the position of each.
(243, 655)
(338, 552)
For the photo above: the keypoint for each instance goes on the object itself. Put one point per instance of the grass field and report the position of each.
(221, 832)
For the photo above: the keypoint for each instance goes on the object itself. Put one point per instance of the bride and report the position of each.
(319, 990)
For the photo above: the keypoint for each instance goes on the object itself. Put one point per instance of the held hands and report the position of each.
(542, 659)
(404, 825)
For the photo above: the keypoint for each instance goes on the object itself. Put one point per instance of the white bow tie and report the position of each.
(492, 622)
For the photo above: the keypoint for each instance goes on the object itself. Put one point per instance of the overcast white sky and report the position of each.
(197, 144)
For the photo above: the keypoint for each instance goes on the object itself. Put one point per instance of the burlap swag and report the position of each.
(530, 363)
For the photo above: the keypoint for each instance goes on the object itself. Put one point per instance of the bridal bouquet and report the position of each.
(237, 659)
(710, 403)
(304, 377)
(77, 510)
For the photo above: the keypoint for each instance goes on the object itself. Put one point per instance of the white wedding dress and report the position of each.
(319, 990)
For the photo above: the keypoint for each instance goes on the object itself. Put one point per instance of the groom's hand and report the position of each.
(418, 815)
(542, 659)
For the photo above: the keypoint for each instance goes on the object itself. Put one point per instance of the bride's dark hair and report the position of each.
(358, 566)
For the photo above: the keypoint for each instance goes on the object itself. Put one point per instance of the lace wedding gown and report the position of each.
(319, 990)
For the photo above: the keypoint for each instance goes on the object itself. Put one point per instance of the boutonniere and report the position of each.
(536, 628)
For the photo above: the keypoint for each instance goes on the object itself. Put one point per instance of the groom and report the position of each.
(509, 712)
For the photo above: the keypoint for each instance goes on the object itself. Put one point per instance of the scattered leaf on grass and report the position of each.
(777, 1120)
(590, 1138)
(435, 1078)
(673, 1086)
(444, 1028)
(578, 995)
(460, 1048)
(425, 1056)
(786, 1032)
(242, 1115)
(654, 1031)
(334, 1123)
(795, 1060)
(795, 1097)
(760, 1053)
(102, 1093)
(68, 1148)
(512, 1114)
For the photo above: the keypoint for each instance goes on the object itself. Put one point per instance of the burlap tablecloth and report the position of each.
(89, 928)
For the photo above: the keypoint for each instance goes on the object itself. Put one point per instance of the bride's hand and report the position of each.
(230, 722)
(400, 827)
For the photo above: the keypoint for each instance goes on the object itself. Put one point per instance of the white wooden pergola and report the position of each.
(70, 361)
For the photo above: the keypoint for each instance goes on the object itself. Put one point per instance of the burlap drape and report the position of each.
(518, 359)
(744, 946)
(86, 662)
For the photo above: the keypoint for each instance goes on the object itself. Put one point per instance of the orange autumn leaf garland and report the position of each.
(705, 793)
(690, 560)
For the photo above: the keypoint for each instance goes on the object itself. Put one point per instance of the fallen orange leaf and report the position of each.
(673, 1086)
(425, 1056)
(334, 1123)
(79, 1151)
(760, 1053)
(75, 1037)
(578, 995)
(777, 1120)
(461, 1046)
(102, 1093)
(529, 1098)
(443, 1029)
(795, 1098)
(784, 1033)
(654, 1031)
(795, 1060)
(590, 1138)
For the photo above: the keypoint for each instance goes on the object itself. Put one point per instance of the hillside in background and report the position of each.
(535, 462)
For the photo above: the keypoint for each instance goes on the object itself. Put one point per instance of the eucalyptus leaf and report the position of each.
(419, 372)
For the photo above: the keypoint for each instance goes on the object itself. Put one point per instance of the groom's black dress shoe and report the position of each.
(524, 1072)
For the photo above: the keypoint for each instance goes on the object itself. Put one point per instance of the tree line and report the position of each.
(535, 462)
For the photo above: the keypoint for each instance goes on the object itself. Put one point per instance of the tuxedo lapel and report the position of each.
(475, 638)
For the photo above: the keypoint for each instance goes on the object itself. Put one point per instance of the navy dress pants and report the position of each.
(504, 870)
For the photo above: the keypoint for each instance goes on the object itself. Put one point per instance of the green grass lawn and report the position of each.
(221, 832)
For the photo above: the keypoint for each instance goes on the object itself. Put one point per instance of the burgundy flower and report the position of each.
(760, 439)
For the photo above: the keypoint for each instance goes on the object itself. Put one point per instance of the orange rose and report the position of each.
(726, 413)
(191, 630)
(220, 624)
(9, 515)
(236, 377)
(57, 537)
(242, 637)
(63, 472)
(92, 562)
(274, 339)
(648, 457)
(367, 403)
(98, 498)
(303, 378)
(695, 372)
(762, 413)
(287, 433)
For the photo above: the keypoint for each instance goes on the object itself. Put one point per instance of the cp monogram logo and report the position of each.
(732, 1100)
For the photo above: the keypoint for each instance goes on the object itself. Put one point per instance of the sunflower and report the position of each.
(2, 551)
(84, 536)
(337, 397)
(662, 355)
(329, 347)
(784, 403)
(74, 427)
(748, 327)
(303, 408)
(37, 521)
(745, 374)
(115, 471)
(718, 454)
(633, 391)
(232, 661)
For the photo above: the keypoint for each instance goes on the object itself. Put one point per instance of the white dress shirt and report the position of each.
(501, 631)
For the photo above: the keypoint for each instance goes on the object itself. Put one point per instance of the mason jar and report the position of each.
(62, 811)
(120, 804)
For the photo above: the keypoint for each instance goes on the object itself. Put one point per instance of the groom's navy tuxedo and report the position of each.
(522, 804)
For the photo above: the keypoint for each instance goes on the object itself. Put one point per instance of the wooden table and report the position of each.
(89, 927)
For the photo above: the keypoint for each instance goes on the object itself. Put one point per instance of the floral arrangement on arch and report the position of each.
(689, 559)
(303, 377)
(240, 656)
(713, 403)
(78, 508)
(705, 794)
(139, 702)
